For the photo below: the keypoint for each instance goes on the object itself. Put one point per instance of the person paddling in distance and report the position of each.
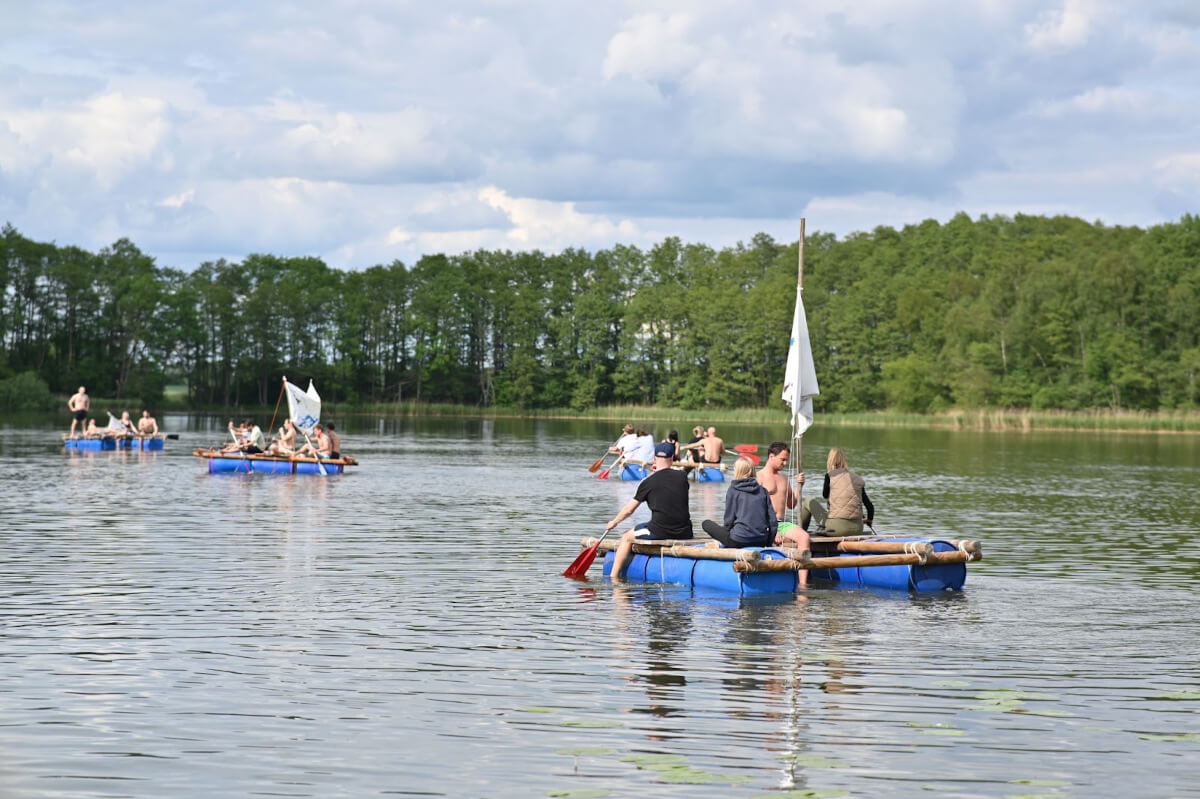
(665, 491)
(318, 446)
(710, 448)
(79, 404)
(750, 519)
(626, 440)
(847, 496)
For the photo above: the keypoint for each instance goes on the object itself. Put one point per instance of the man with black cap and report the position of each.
(665, 491)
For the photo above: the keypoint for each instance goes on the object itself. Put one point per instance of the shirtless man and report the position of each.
(286, 445)
(712, 446)
(335, 441)
(318, 446)
(147, 425)
(80, 404)
(771, 477)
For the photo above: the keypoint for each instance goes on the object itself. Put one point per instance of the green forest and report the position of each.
(1022, 312)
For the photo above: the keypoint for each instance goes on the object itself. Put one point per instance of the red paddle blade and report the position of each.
(744, 448)
(603, 475)
(581, 564)
(752, 458)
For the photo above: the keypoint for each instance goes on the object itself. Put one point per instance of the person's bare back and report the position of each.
(714, 446)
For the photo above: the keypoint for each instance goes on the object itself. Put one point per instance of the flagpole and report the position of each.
(799, 436)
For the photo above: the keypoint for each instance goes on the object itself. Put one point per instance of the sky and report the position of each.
(366, 132)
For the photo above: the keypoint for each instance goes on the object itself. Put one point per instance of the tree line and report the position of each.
(1021, 312)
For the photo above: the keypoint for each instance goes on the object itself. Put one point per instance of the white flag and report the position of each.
(800, 378)
(304, 408)
(115, 424)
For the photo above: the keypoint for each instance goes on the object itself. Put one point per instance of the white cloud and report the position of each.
(382, 130)
(1064, 28)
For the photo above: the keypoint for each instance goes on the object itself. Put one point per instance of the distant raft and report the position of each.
(636, 470)
(114, 442)
(235, 462)
(918, 565)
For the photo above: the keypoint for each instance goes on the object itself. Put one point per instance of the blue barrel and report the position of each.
(759, 583)
(633, 471)
(709, 474)
(922, 579)
(90, 444)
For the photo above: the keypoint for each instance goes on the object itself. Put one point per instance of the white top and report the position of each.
(642, 449)
(625, 442)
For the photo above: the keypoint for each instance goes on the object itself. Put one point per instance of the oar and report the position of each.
(579, 566)
(746, 448)
(750, 456)
(618, 462)
(595, 466)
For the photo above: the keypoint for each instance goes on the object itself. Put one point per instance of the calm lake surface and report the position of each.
(403, 629)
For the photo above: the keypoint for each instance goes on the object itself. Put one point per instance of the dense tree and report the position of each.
(1014, 312)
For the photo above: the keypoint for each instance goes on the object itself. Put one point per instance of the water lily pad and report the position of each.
(679, 774)
(1186, 695)
(816, 761)
(1185, 736)
(829, 793)
(580, 793)
(936, 728)
(651, 759)
(588, 751)
(536, 710)
(1039, 712)
(745, 647)
(590, 724)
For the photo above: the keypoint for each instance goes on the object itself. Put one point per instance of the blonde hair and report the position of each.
(743, 468)
(836, 460)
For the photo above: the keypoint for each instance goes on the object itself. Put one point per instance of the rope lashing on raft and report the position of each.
(918, 548)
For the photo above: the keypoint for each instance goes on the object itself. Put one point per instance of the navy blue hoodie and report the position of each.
(749, 514)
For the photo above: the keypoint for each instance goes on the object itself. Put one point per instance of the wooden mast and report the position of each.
(799, 289)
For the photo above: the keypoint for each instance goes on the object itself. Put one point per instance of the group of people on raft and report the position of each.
(637, 446)
(754, 504)
(80, 405)
(248, 439)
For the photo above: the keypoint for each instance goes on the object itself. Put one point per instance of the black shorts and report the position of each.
(252, 450)
(80, 415)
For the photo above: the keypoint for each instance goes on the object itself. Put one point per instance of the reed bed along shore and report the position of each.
(991, 419)
(979, 419)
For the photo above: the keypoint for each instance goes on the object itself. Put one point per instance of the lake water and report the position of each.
(403, 629)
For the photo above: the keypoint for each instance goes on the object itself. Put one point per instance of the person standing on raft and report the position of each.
(750, 519)
(665, 491)
(79, 404)
(847, 496)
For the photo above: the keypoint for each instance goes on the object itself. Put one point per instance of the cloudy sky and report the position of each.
(368, 131)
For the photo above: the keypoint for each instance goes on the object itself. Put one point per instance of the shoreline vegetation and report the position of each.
(979, 419)
(1025, 312)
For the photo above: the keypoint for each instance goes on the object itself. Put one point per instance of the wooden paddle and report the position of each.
(595, 466)
(618, 462)
(578, 568)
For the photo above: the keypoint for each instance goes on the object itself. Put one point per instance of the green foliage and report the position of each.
(26, 392)
(1024, 312)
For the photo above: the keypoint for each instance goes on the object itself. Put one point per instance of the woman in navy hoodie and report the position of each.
(749, 516)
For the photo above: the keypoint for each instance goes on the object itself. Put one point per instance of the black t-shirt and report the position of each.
(666, 494)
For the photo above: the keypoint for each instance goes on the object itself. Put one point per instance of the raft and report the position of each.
(89, 444)
(916, 565)
(233, 463)
(142, 442)
(635, 470)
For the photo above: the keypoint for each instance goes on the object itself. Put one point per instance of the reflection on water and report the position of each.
(404, 628)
